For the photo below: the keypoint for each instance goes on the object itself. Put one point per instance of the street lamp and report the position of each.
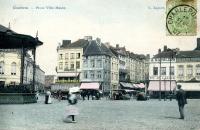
(160, 79)
(172, 52)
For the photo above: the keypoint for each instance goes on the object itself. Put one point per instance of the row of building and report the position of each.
(89, 60)
(173, 66)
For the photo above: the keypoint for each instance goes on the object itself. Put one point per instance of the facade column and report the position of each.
(22, 65)
(34, 68)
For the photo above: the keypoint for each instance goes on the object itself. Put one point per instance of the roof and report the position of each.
(119, 51)
(189, 54)
(81, 43)
(95, 48)
(3, 28)
(164, 54)
(10, 40)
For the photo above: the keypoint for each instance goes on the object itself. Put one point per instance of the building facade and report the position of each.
(10, 69)
(97, 64)
(185, 70)
(70, 62)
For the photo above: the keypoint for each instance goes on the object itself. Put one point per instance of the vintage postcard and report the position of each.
(99, 65)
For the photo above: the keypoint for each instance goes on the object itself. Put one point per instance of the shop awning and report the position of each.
(140, 85)
(126, 85)
(90, 86)
(165, 85)
(67, 74)
(190, 86)
(74, 89)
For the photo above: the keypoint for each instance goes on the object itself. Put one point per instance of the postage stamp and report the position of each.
(181, 17)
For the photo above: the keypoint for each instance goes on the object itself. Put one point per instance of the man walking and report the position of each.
(181, 98)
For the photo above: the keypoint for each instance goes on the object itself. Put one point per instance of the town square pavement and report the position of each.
(101, 115)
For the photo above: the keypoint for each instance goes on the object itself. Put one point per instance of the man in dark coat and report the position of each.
(181, 98)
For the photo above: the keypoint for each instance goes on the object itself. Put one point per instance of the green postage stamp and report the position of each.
(181, 17)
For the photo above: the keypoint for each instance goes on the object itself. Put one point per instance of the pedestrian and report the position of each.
(88, 95)
(59, 95)
(48, 97)
(181, 98)
(71, 110)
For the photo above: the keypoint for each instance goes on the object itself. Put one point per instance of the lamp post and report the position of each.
(170, 78)
(160, 80)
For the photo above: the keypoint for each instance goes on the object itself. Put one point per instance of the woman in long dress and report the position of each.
(71, 109)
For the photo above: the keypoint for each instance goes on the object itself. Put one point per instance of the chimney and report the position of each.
(165, 48)
(88, 38)
(107, 44)
(66, 42)
(159, 51)
(98, 40)
(148, 56)
(117, 46)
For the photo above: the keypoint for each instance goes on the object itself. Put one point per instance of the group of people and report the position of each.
(71, 109)
(94, 94)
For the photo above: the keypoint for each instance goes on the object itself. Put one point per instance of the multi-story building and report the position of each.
(97, 64)
(132, 67)
(162, 79)
(10, 69)
(188, 70)
(69, 63)
(92, 61)
(185, 68)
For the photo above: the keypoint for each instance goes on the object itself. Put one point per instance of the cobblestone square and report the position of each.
(101, 115)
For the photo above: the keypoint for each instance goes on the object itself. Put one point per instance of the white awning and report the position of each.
(74, 89)
(67, 74)
(165, 85)
(190, 86)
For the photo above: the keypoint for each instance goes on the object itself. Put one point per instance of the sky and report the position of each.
(139, 25)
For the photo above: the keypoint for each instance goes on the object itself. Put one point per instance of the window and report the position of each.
(180, 70)
(78, 55)
(172, 70)
(1, 67)
(155, 70)
(66, 56)
(92, 74)
(163, 70)
(116, 76)
(13, 68)
(85, 63)
(60, 66)
(99, 74)
(66, 66)
(189, 70)
(85, 74)
(92, 63)
(99, 63)
(112, 77)
(77, 64)
(60, 56)
(198, 70)
(72, 66)
(72, 56)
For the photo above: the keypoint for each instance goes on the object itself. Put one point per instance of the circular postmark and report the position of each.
(181, 20)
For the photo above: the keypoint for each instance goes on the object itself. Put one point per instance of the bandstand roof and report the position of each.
(11, 40)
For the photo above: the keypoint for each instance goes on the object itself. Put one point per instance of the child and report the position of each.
(71, 109)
